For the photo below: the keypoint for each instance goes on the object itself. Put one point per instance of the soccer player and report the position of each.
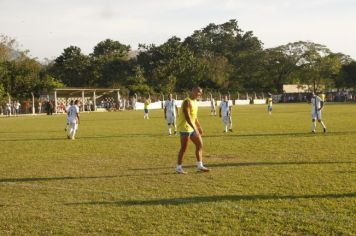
(189, 128)
(146, 104)
(66, 110)
(73, 119)
(170, 114)
(269, 104)
(225, 113)
(212, 106)
(317, 105)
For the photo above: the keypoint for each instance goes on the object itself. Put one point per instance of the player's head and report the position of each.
(225, 98)
(197, 92)
(269, 95)
(71, 102)
(170, 96)
(76, 102)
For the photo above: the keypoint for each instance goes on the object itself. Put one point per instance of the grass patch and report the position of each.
(271, 176)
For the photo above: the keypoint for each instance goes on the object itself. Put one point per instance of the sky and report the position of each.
(46, 27)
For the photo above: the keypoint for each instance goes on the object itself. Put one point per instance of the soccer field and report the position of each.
(270, 176)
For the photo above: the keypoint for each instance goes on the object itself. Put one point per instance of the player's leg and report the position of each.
(184, 138)
(169, 129)
(313, 125)
(198, 141)
(75, 128)
(224, 120)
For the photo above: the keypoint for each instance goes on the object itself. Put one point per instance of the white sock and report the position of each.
(200, 164)
(170, 130)
(179, 167)
(225, 128)
(313, 126)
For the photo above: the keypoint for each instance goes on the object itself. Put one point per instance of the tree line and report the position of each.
(218, 57)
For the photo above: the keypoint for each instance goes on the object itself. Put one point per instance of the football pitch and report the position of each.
(270, 176)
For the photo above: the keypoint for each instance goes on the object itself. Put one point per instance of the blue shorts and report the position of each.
(146, 110)
(193, 133)
(269, 108)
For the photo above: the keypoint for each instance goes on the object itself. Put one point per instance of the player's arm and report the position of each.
(230, 109)
(321, 105)
(220, 110)
(186, 111)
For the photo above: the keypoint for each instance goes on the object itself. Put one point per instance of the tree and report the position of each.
(72, 68)
(347, 77)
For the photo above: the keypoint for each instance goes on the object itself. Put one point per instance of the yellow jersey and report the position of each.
(146, 104)
(269, 101)
(182, 124)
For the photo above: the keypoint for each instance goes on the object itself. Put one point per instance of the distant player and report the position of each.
(73, 119)
(212, 106)
(189, 128)
(225, 113)
(170, 114)
(66, 110)
(269, 104)
(146, 104)
(317, 105)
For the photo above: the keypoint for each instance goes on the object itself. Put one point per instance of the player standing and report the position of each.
(317, 104)
(73, 120)
(225, 113)
(170, 113)
(189, 128)
(146, 104)
(269, 104)
(212, 106)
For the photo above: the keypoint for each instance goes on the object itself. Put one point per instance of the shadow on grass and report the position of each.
(207, 199)
(242, 164)
(301, 134)
(44, 179)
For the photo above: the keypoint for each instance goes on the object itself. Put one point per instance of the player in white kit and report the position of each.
(170, 114)
(225, 113)
(212, 106)
(317, 105)
(66, 110)
(73, 120)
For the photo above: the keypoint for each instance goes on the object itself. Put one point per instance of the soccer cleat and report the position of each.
(68, 137)
(180, 171)
(313, 131)
(324, 130)
(230, 130)
(203, 169)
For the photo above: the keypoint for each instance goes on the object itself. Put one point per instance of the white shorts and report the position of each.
(316, 115)
(227, 119)
(171, 119)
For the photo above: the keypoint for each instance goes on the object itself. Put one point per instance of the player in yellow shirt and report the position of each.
(269, 103)
(189, 128)
(146, 104)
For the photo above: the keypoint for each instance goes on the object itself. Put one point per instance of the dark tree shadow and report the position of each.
(44, 179)
(243, 164)
(207, 199)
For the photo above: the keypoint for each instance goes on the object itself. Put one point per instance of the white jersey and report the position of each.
(72, 113)
(316, 104)
(225, 108)
(170, 106)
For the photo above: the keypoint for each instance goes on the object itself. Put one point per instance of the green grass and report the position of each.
(271, 176)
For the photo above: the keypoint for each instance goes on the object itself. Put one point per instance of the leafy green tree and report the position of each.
(72, 68)
(347, 76)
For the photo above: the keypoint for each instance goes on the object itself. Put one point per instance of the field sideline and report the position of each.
(270, 176)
